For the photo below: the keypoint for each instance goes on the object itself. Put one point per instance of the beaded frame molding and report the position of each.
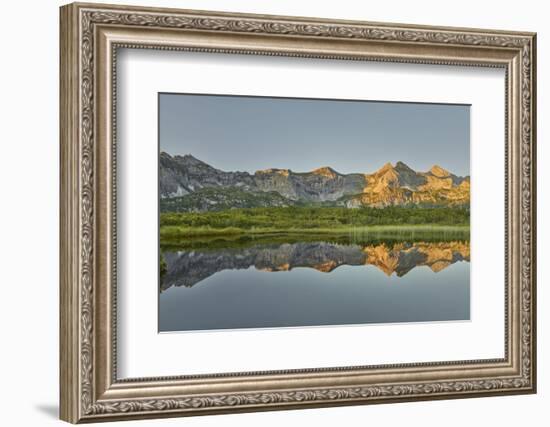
(90, 37)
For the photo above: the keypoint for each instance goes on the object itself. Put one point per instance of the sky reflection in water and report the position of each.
(314, 284)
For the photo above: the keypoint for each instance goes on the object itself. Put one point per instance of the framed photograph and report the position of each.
(266, 212)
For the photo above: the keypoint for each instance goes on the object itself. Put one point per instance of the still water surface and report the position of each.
(314, 284)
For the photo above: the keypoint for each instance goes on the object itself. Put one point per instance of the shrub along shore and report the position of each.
(320, 221)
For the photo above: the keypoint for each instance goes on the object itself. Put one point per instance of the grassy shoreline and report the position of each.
(367, 235)
(405, 222)
(173, 231)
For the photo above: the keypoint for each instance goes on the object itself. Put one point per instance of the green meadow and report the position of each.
(391, 222)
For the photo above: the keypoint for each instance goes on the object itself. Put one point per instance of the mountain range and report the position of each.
(189, 184)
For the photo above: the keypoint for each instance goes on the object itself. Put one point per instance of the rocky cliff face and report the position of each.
(189, 179)
(399, 185)
(181, 175)
(319, 185)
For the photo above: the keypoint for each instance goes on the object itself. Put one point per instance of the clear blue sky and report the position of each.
(250, 133)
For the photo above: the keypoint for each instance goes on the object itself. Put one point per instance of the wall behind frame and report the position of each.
(29, 173)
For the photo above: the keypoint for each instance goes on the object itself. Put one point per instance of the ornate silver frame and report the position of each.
(90, 36)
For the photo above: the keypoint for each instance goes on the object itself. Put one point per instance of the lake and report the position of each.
(276, 283)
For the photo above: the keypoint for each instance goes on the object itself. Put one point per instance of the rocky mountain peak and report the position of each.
(190, 160)
(402, 167)
(387, 167)
(185, 160)
(273, 171)
(439, 171)
(325, 171)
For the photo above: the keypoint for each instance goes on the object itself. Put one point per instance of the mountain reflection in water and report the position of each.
(193, 265)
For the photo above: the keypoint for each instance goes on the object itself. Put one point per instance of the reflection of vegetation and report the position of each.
(389, 237)
(401, 222)
(163, 266)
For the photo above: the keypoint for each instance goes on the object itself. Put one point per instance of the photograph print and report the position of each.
(293, 212)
